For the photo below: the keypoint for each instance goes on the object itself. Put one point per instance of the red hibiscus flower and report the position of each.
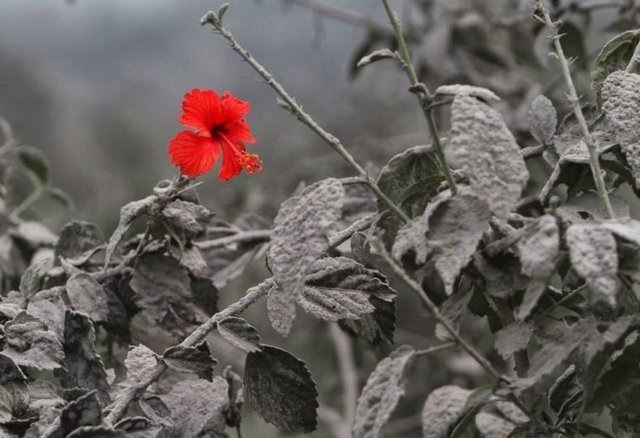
(220, 128)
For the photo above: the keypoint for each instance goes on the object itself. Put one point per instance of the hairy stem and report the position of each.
(458, 338)
(121, 404)
(242, 236)
(574, 100)
(424, 98)
(290, 103)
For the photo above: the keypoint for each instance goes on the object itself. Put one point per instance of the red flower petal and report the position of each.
(202, 110)
(233, 109)
(193, 153)
(239, 131)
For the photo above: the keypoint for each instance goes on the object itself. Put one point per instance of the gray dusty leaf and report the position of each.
(186, 216)
(33, 278)
(198, 406)
(339, 288)
(227, 262)
(555, 351)
(278, 386)
(488, 153)
(9, 371)
(410, 179)
(543, 119)
(594, 256)
(298, 240)
(138, 427)
(621, 103)
(538, 250)
(381, 394)
(128, 213)
(30, 344)
(589, 203)
(492, 426)
(84, 367)
(467, 90)
(443, 408)
(84, 411)
(87, 295)
(614, 55)
(377, 56)
(35, 234)
(140, 363)
(513, 338)
(76, 238)
(49, 307)
(240, 334)
(511, 412)
(377, 327)
(162, 289)
(196, 360)
(627, 229)
(449, 231)
(236, 397)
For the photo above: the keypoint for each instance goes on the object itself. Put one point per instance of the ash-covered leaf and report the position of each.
(186, 216)
(444, 407)
(625, 228)
(163, 290)
(78, 237)
(224, 263)
(555, 351)
(196, 360)
(377, 56)
(236, 397)
(381, 394)
(141, 361)
(538, 250)
(240, 334)
(339, 288)
(128, 213)
(10, 371)
(100, 431)
(35, 234)
(205, 294)
(543, 119)
(563, 388)
(594, 256)
(513, 338)
(488, 154)
(589, 204)
(410, 179)
(34, 160)
(84, 367)
(197, 406)
(467, 90)
(297, 241)
(449, 232)
(33, 278)
(621, 103)
(49, 307)
(376, 327)
(84, 411)
(511, 412)
(278, 386)
(87, 295)
(140, 427)
(492, 426)
(613, 56)
(31, 344)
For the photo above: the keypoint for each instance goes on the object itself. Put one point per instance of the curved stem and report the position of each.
(574, 100)
(290, 103)
(424, 98)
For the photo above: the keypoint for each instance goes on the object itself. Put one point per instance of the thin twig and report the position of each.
(343, 15)
(242, 236)
(344, 235)
(347, 369)
(121, 404)
(424, 98)
(290, 103)
(435, 349)
(458, 338)
(574, 100)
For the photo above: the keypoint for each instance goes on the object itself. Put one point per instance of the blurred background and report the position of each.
(97, 85)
